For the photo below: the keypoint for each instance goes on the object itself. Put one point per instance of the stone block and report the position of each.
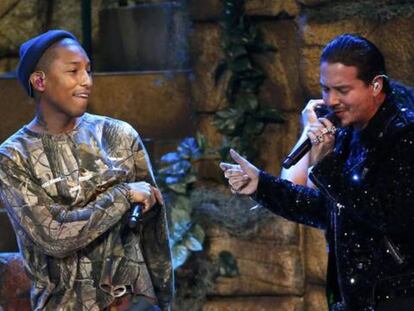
(15, 285)
(209, 130)
(20, 20)
(271, 7)
(157, 104)
(14, 96)
(206, 50)
(275, 229)
(205, 10)
(213, 9)
(8, 64)
(394, 39)
(67, 15)
(265, 268)
(316, 257)
(255, 304)
(146, 36)
(309, 68)
(315, 299)
(282, 87)
(277, 141)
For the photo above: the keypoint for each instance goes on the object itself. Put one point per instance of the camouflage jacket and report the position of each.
(66, 198)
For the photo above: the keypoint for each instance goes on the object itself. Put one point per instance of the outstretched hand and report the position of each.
(243, 177)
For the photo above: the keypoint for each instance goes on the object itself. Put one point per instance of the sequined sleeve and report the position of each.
(382, 195)
(56, 229)
(294, 202)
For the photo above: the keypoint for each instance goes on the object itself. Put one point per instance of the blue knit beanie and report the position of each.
(32, 50)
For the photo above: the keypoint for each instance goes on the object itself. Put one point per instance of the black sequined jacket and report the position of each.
(365, 204)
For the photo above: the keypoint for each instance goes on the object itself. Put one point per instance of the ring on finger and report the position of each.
(315, 141)
(332, 129)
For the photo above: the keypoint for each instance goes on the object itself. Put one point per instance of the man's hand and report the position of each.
(243, 177)
(142, 192)
(320, 131)
(322, 136)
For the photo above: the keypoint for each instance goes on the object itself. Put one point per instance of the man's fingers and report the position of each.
(227, 166)
(158, 195)
(233, 173)
(238, 185)
(239, 159)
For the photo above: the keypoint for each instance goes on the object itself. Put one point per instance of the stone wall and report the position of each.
(283, 267)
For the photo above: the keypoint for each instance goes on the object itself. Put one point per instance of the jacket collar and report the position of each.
(379, 123)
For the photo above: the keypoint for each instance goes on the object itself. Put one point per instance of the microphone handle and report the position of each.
(297, 154)
(135, 215)
(304, 148)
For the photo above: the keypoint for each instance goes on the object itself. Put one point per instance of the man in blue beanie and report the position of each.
(68, 180)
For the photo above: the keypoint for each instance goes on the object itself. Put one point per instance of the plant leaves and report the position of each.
(177, 169)
(248, 102)
(220, 70)
(188, 148)
(170, 157)
(269, 115)
(228, 265)
(180, 253)
(193, 244)
(198, 232)
(180, 188)
(240, 64)
(181, 223)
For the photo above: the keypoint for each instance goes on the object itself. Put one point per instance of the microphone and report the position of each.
(304, 148)
(135, 215)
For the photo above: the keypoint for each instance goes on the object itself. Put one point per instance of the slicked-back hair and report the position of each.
(356, 51)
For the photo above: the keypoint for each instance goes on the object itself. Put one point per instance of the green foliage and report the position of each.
(228, 265)
(175, 178)
(245, 118)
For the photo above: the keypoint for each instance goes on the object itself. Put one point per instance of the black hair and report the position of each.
(356, 51)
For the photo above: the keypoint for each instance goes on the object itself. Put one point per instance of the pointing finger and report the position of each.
(239, 159)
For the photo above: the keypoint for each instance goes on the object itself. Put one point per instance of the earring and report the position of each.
(42, 73)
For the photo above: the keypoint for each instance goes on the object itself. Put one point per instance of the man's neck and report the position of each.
(56, 125)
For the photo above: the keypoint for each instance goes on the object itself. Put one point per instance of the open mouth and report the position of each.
(82, 95)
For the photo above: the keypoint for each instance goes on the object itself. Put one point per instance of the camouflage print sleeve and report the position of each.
(155, 235)
(58, 230)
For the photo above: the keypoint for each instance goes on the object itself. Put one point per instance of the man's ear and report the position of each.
(37, 80)
(378, 84)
